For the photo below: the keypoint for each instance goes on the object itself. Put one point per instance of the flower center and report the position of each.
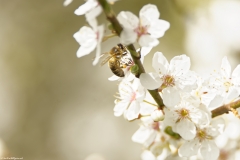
(183, 114)
(202, 135)
(227, 85)
(155, 125)
(133, 96)
(141, 30)
(168, 81)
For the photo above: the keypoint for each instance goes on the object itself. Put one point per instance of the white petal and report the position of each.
(112, 1)
(144, 136)
(158, 28)
(82, 51)
(236, 72)
(209, 150)
(147, 41)
(147, 155)
(236, 76)
(150, 80)
(187, 82)
(98, 52)
(150, 11)
(231, 95)
(225, 68)
(128, 36)
(171, 97)
(146, 109)
(186, 129)
(67, 2)
(128, 20)
(160, 63)
(179, 65)
(218, 123)
(145, 51)
(170, 117)
(85, 36)
(94, 24)
(93, 13)
(133, 111)
(125, 90)
(86, 7)
(189, 148)
(113, 78)
(120, 107)
(216, 102)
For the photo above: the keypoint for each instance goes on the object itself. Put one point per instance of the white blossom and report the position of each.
(147, 132)
(145, 30)
(89, 39)
(184, 117)
(169, 78)
(224, 81)
(204, 143)
(131, 97)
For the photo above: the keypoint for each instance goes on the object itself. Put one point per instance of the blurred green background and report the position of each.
(54, 106)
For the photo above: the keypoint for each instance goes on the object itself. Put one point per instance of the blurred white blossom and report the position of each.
(145, 29)
(89, 39)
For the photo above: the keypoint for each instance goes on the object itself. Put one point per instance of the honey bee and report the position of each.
(115, 59)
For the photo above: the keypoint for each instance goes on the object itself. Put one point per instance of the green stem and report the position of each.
(135, 55)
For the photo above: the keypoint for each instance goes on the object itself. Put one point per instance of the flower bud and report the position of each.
(134, 69)
(157, 115)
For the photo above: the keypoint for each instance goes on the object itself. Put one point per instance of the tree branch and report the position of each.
(135, 55)
(225, 108)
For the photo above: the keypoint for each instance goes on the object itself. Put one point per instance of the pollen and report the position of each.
(183, 114)
(168, 81)
(202, 135)
(227, 85)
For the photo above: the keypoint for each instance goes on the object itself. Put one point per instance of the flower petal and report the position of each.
(128, 20)
(86, 7)
(93, 13)
(217, 101)
(236, 76)
(100, 36)
(67, 2)
(120, 107)
(160, 63)
(144, 136)
(186, 129)
(189, 148)
(147, 41)
(149, 11)
(128, 36)
(158, 28)
(85, 36)
(179, 65)
(133, 111)
(113, 78)
(145, 51)
(219, 124)
(147, 155)
(225, 68)
(150, 80)
(209, 150)
(82, 51)
(171, 97)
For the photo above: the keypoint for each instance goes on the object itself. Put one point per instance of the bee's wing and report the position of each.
(105, 60)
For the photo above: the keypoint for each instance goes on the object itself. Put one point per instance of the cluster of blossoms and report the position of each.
(184, 127)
